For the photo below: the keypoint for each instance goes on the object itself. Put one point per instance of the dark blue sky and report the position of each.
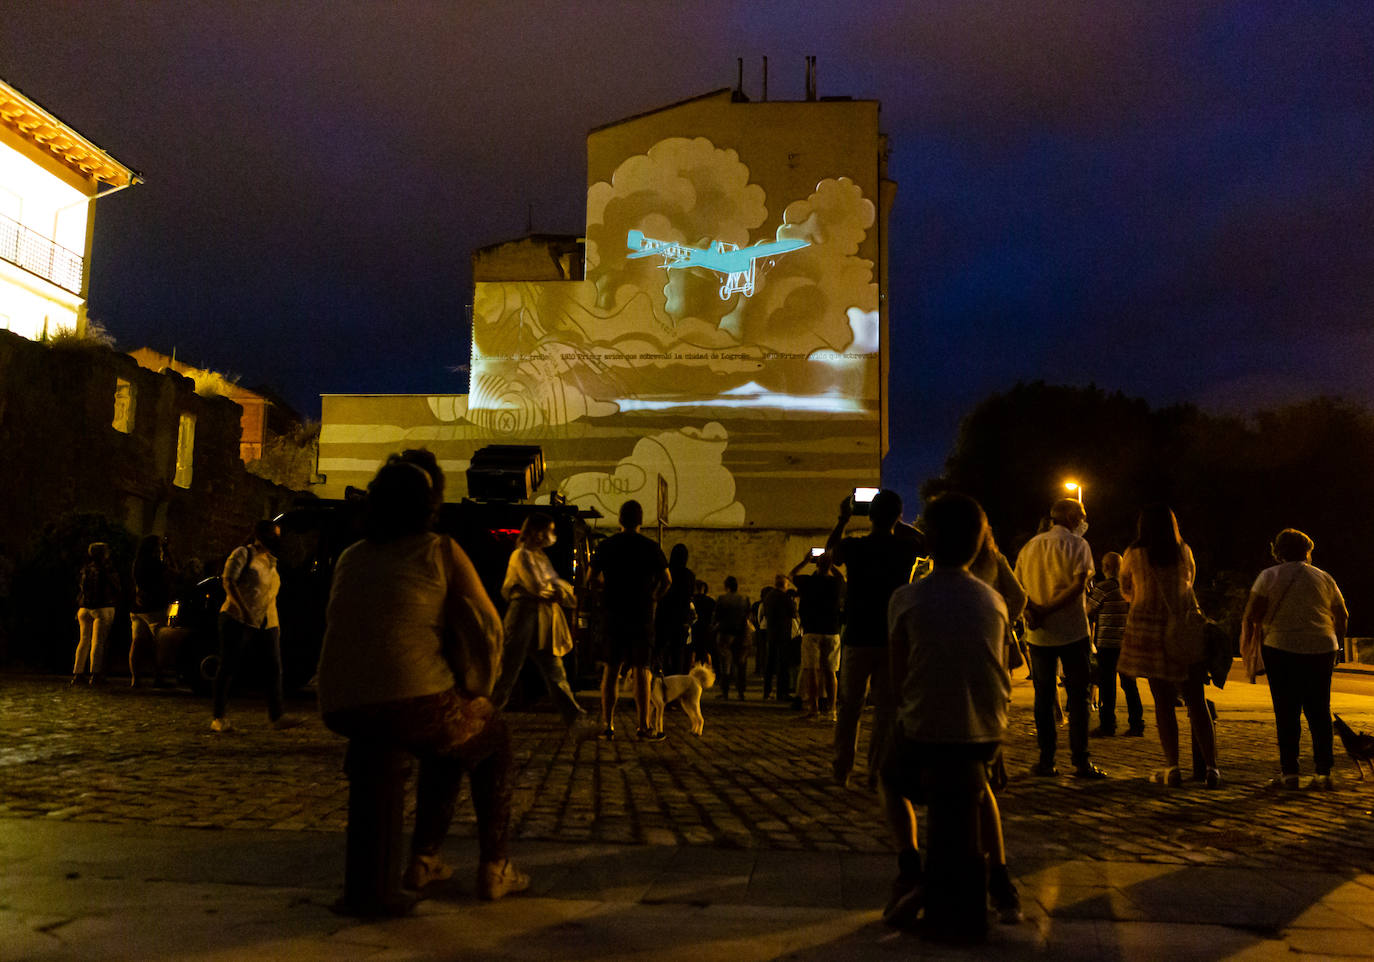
(1173, 199)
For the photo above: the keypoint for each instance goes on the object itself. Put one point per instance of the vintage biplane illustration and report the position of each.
(738, 264)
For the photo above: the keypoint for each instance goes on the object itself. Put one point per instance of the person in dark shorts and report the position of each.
(635, 575)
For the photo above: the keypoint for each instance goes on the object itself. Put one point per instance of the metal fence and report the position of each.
(35, 253)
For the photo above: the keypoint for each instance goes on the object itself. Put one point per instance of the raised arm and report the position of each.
(832, 543)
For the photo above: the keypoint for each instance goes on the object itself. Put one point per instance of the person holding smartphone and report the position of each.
(876, 565)
(820, 597)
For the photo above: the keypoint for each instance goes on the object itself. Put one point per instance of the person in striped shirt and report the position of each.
(1107, 612)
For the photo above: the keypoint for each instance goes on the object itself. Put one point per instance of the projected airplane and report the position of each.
(739, 265)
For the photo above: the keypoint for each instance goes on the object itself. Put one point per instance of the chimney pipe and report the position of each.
(739, 83)
(765, 79)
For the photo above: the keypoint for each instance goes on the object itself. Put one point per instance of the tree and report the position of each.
(1232, 483)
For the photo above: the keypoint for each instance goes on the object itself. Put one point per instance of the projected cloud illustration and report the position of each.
(725, 334)
(700, 488)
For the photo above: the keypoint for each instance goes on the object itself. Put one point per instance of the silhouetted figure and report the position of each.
(636, 576)
(948, 637)
(731, 626)
(876, 564)
(98, 594)
(411, 648)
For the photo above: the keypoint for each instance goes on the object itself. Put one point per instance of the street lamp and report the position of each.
(1075, 490)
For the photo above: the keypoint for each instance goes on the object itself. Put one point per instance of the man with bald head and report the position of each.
(1054, 568)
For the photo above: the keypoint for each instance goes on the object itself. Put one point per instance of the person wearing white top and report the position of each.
(1054, 568)
(249, 615)
(1297, 615)
(536, 626)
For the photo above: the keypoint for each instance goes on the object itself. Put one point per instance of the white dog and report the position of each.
(685, 689)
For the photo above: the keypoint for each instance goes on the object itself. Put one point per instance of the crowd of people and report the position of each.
(923, 621)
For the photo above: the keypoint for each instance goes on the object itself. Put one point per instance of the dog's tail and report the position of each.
(704, 676)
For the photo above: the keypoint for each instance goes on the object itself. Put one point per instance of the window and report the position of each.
(125, 397)
(186, 442)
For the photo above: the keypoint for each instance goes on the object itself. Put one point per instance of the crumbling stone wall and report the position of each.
(62, 454)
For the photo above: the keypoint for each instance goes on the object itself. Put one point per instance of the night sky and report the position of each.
(1172, 199)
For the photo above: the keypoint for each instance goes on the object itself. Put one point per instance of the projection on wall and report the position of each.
(710, 306)
(725, 338)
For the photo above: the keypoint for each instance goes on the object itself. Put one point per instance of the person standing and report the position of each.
(820, 596)
(949, 633)
(1107, 610)
(778, 614)
(535, 625)
(703, 634)
(731, 627)
(97, 595)
(411, 649)
(1297, 616)
(673, 616)
(248, 616)
(1054, 568)
(1157, 579)
(875, 566)
(635, 575)
(152, 600)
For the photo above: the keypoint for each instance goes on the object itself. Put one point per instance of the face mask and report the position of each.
(1082, 529)
(550, 539)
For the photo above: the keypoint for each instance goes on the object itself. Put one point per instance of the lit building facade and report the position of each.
(721, 327)
(50, 177)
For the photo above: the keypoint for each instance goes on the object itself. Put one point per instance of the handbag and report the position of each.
(1217, 652)
(1251, 652)
(1185, 640)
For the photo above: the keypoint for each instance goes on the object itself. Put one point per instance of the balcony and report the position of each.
(38, 255)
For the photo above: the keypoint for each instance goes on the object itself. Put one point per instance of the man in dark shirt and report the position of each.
(730, 622)
(819, 598)
(703, 636)
(778, 612)
(635, 575)
(876, 565)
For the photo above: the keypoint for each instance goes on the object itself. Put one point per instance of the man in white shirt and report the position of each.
(1054, 568)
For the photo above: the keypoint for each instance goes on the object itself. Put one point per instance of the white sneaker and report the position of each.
(221, 725)
(288, 721)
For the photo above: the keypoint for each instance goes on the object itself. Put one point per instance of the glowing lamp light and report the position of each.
(1075, 490)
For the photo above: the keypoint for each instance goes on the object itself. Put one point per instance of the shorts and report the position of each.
(155, 619)
(820, 651)
(910, 765)
(631, 645)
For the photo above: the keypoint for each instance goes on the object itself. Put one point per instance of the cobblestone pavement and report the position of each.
(757, 779)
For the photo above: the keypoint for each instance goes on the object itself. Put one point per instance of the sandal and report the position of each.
(1213, 778)
(1168, 777)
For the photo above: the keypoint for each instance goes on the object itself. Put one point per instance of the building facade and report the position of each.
(724, 342)
(50, 177)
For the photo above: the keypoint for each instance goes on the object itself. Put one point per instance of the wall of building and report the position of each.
(63, 454)
(759, 406)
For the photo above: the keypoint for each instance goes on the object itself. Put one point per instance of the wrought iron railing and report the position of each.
(37, 254)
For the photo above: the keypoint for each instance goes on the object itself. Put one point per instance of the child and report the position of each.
(946, 637)
(1107, 612)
